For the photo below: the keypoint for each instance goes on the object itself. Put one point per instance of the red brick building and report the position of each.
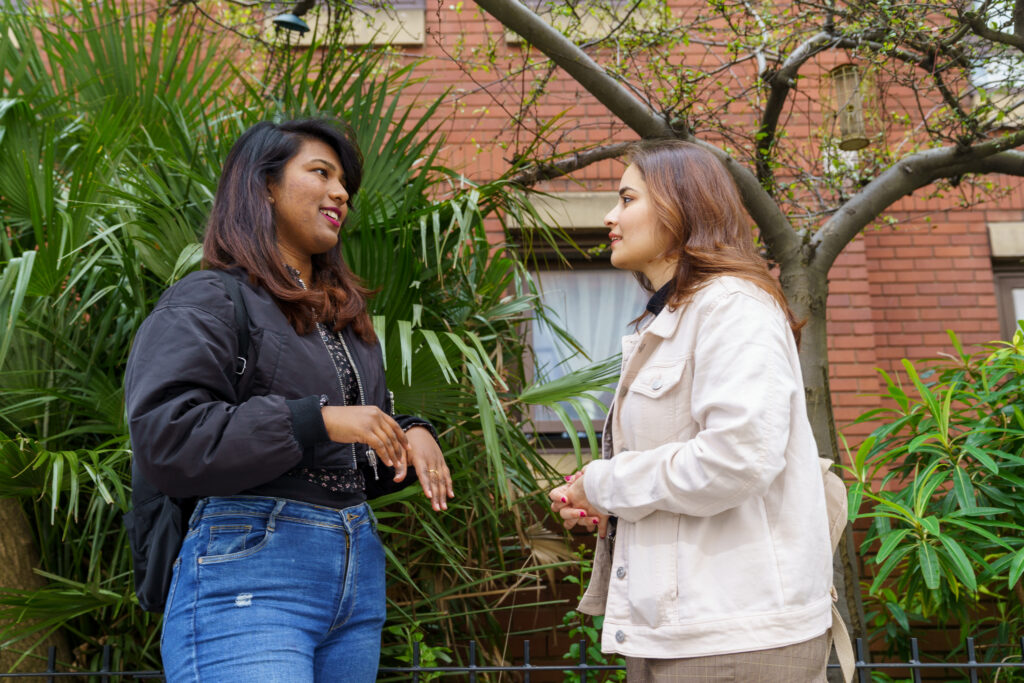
(893, 292)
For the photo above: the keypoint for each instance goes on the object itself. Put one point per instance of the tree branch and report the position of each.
(535, 173)
(982, 30)
(909, 174)
(776, 230)
(772, 223)
(578, 64)
(780, 84)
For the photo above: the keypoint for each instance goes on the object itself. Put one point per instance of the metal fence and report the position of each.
(415, 671)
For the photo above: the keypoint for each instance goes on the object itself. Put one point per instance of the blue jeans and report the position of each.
(268, 590)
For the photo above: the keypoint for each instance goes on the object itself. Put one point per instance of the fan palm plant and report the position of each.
(113, 123)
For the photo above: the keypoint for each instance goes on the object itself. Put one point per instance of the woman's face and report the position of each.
(309, 203)
(638, 243)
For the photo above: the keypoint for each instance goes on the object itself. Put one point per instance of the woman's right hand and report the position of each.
(372, 426)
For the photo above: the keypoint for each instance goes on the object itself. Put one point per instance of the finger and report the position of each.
(380, 446)
(402, 467)
(558, 494)
(602, 526)
(396, 431)
(394, 452)
(571, 513)
(425, 474)
(440, 503)
(448, 484)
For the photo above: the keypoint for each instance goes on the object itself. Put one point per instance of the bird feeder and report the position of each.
(846, 84)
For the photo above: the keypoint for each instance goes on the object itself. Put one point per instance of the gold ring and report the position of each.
(432, 471)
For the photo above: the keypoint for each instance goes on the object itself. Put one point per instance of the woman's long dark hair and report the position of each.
(241, 231)
(697, 202)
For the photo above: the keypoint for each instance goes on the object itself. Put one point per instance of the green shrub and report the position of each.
(942, 480)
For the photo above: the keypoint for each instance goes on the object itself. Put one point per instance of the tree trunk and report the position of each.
(18, 559)
(806, 289)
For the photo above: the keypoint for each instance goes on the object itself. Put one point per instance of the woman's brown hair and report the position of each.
(698, 203)
(241, 231)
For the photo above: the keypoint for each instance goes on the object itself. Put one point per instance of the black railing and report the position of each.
(416, 670)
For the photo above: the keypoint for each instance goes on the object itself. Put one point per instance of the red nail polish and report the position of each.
(564, 499)
(568, 478)
(582, 513)
(596, 520)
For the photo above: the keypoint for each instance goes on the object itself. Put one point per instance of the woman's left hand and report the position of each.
(435, 477)
(570, 502)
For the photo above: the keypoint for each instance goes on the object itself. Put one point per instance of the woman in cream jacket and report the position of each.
(713, 561)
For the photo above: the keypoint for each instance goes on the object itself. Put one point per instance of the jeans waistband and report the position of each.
(281, 507)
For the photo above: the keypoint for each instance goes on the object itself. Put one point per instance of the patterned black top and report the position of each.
(346, 481)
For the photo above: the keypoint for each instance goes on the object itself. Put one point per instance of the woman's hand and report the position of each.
(570, 502)
(433, 473)
(372, 426)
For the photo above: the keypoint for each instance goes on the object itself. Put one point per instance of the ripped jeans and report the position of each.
(267, 590)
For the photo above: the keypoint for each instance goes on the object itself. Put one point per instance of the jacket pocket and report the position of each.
(658, 380)
(656, 405)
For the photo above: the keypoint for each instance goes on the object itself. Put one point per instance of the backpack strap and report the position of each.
(241, 317)
(836, 509)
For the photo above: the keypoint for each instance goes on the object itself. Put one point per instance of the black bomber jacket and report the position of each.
(196, 430)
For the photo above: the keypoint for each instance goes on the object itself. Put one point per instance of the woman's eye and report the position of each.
(627, 200)
(321, 171)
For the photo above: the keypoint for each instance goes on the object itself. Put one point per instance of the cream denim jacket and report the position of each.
(722, 543)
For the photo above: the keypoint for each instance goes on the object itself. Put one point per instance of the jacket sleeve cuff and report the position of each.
(307, 423)
(594, 476)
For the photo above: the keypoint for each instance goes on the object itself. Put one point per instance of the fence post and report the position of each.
(584, 667)
(972, 660)
(51, 663)
(915, 660)
(472, 661)
(862, 668)
(415, 661)
(106, 664)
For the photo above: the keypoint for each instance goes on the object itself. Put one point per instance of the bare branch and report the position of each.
(781, 84)
(612, 94)
(909, 174)
(536, 173)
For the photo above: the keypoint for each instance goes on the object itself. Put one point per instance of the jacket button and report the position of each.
(620, 637)
(656, 384)
(620, 572)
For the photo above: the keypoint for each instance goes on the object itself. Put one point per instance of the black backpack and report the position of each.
(156, 524)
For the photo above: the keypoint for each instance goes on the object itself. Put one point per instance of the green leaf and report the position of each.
(964, 489)
(889, 543)
(929, 564)
(959, 562)
(1016, 569)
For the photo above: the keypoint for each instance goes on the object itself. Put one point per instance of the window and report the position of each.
(591, 19)
(1007, 243)
(592, 300)
(388, 22)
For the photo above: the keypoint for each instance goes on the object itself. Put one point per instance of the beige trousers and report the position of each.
(800, 663)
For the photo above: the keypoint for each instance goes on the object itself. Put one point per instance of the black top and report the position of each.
(658, 300)
(196, 431)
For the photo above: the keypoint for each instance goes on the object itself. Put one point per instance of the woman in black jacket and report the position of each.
(281, 574)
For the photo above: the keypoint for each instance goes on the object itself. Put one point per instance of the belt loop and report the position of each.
(197, 512)
(278, 506)
(369, 513)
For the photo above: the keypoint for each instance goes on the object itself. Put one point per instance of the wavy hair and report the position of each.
(241, 231)
(697, 202)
